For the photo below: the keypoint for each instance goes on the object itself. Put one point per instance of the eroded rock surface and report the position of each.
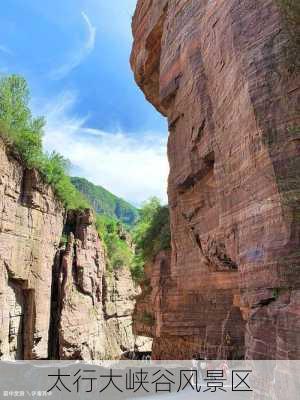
(31, 224)
(119, 303)
(217, 70)
(92, 307)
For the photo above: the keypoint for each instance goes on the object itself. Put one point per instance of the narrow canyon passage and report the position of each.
(217, 275)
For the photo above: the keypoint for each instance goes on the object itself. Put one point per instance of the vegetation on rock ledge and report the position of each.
(24, 133)
(119, 252)
(151, 235)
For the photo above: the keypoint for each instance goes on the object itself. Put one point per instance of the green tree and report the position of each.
(21, 128)
(24, 133)
(151, 235)
(118, 251)
(55, 167)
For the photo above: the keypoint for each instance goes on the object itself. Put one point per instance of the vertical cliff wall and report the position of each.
(218, 71)
(91, 317)
(31, 223)
(150, 304)
(56, 300)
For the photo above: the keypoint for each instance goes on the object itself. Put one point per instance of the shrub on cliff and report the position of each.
(118, 251)
(17, 123)
(24, 133)
(151, 235)
(55, 169)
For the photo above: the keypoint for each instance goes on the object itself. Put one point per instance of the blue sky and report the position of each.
(75, 56)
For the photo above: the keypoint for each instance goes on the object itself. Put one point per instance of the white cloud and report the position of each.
(90, 43)
(130, 166)
(77, 57)
(5, 50)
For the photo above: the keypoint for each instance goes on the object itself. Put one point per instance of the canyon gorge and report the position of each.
(229, 287)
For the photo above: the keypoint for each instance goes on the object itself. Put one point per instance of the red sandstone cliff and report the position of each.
(30, 230)
(218, 71)
(91, 316)
(56, 301)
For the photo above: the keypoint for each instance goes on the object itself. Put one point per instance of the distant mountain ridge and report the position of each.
(105, 202)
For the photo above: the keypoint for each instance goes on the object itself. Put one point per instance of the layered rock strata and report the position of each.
(218, 71)
(31, 223)
(92, 308)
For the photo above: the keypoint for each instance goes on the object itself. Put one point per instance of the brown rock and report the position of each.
(218, 71)
(91, 308)
(119, 303)
(31, 224)
(77, 291)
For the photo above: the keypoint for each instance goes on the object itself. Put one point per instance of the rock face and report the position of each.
(31, 226)
(217, 70)
(92, 308)
(119, 302)
(56, 300)
(150, 305)
(77, 291)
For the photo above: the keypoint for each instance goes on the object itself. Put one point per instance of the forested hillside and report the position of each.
(105, 202)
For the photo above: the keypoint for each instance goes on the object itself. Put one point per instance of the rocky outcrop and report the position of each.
(77, 315)
(218, 72)
(31, 222)
(119, 303)
(148, 312)
(92, 308)
(56, 298)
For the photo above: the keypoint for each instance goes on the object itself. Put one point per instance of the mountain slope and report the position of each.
(104, 202)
